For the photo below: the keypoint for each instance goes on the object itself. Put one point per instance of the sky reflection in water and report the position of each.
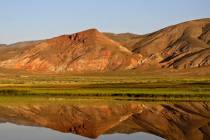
(10, 131)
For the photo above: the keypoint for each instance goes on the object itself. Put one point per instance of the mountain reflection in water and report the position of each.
(172, 121)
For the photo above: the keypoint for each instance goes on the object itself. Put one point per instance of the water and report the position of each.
(14, 132)
(63, 118)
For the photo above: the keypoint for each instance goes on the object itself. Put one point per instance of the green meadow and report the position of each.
(108, 86)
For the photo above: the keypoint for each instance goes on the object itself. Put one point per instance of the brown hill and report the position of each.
(182, 46)
(185, 45)
(9, 51)
(86, 51)
(127, 39)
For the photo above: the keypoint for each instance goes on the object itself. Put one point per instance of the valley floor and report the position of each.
(144, 86)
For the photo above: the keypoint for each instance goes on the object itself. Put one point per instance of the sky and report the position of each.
(22, 20)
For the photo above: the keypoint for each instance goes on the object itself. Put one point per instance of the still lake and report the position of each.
(81, 119)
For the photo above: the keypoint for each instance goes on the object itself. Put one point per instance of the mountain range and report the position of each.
(183, 46)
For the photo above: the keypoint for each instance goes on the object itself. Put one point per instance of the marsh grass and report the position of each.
(119, 87)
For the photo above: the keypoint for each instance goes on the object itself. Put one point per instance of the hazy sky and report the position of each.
(37, 19)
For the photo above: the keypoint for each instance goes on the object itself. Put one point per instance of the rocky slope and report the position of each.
(87, 51)
(180, 121)
(186, 45)
(182, 46)
(127, 40)
(9, 51)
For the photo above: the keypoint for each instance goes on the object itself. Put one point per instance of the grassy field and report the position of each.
(116, 86)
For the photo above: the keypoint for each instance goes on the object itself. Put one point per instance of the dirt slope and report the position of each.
(126, 39)
(185, 45)
(86, 51)
(181, 46)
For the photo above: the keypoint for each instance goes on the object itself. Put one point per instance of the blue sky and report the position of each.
(38, 19)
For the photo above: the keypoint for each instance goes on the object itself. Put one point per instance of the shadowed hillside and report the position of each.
(186, 45)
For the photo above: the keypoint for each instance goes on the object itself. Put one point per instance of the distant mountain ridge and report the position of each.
(181, 46)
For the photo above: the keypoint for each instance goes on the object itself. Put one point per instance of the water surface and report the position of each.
(14, 132)
(63, 118)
